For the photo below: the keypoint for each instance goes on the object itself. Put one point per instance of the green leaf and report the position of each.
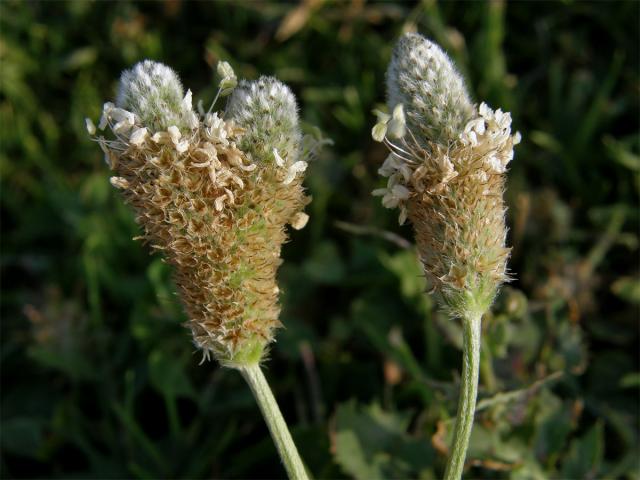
(627, 288)
(371, 443)
(622, 153)
(80, 58)
(325, 264)
(554, 424)
(167, 375)
(159, 275)
(546, 141)
(530, 469)
(72, 363)
(585, 454)
(571, 351)
(406, 266)
(630, 380)
(22, 436)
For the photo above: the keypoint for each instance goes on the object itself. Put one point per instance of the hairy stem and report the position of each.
(273, 417)
(468, 392)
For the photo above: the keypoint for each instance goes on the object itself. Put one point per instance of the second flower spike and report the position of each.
(445, 173)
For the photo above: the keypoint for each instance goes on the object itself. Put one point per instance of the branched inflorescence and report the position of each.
(213, 193)
(445, 173)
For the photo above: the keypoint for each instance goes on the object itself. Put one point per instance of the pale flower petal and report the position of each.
(390, 165)
(495, 164)
(120, 115)
(517, 138)
(397, 125)
(403, 216)
(401, 192)
(119, 182)
(91, 128)
(182, 146)
(299, 220)
(484, 110)
(225, 70)
(187, 101)
(379, 131)
(382, 116)
(161, 137)
(174, 133)
(103, 144)
(390, 200)
(122, 127)
(278, 158)
(299, 166)
(229, 79)
(138, 136)
(106, 111)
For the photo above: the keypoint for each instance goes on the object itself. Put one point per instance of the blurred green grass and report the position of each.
(100, 380)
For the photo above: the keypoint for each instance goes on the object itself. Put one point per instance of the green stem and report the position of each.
(468, 393)
(273, 417)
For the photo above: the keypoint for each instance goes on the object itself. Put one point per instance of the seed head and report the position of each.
(446, 174)
(211, 198)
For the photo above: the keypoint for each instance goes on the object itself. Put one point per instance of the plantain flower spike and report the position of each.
(213, 192)
(153, 91)
(267, 111)
(421, 77)
(445, 173)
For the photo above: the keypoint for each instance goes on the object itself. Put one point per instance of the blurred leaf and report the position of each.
(296, 19)
(595, 114)
(585, 454)
(138, 435)
(72, 363)
(529, 469)
(406, 266)
(80, 58)
(325, 264)
(159, 275)
(167, 375)
(372, 444)
(553, 426)
(571, 351)
(487, 444)
(23, 436)
(630, 380)
(545, 140)
(621, 153)
(627, 288)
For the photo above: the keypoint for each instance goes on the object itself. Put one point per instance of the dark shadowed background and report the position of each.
(99, 378)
